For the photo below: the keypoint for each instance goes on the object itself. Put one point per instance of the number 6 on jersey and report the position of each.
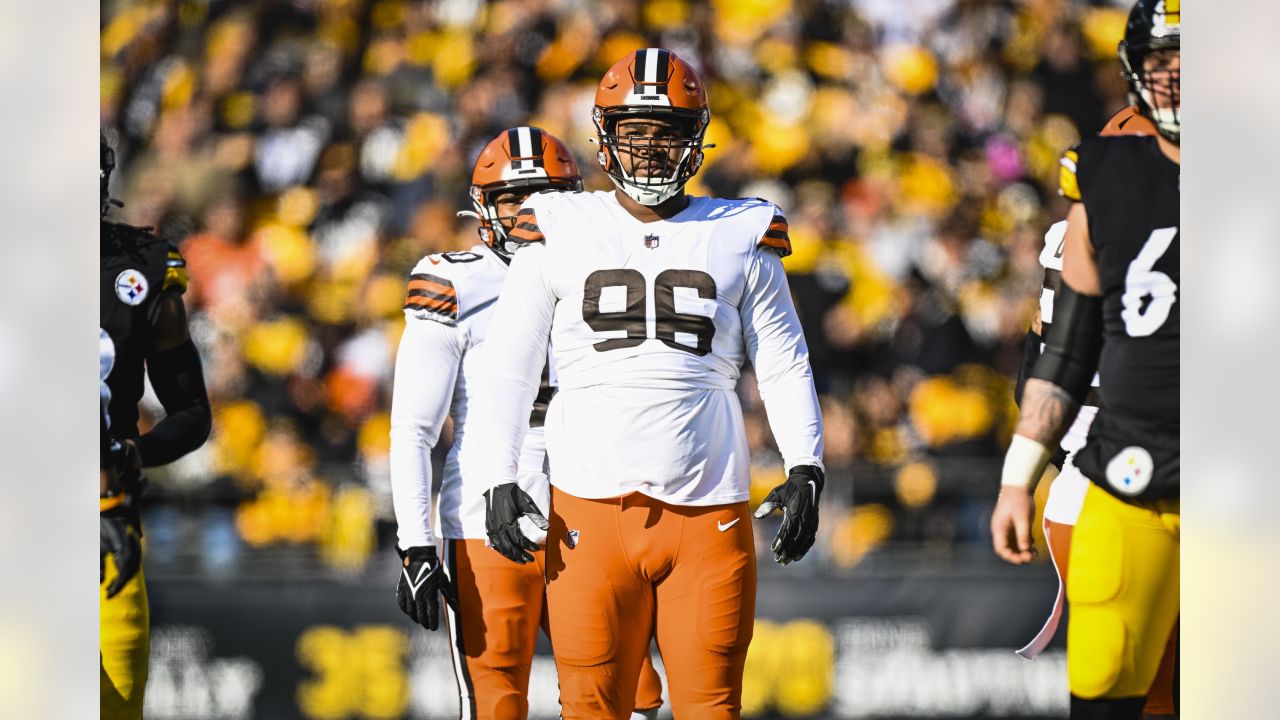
(1142, 280)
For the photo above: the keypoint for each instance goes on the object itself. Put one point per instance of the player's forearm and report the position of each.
(178, 380)
(504, 401)
(778, 352)
(1047, 412)
(411, 484)
(501, 417)
(795, 417)
(176, 435)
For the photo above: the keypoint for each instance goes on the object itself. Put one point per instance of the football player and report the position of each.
(493, 608)
(652, 300)
(144, 325)
(1067, 486)
(1119, 283)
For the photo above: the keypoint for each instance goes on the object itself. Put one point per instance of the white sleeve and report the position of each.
(513, 355)
(777, 350)
(1051, 255)
(426, 371)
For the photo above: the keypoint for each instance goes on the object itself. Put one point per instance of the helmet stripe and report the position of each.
(524, 149)
(664, 66)
(513, 146)
(650, 68)
(535, 146)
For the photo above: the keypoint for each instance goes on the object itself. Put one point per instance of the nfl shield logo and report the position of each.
(651, 241)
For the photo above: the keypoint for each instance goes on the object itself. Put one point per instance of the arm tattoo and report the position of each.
(1047, 412)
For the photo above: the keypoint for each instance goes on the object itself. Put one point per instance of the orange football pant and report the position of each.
(618, 570)
(500, 608)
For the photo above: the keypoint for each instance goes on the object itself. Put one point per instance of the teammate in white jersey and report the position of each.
(493, 608)
(652, 301)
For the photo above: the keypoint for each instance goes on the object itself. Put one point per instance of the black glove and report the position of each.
(121, 463)
(422, 581)
(119, 535)
(505, 504)
(121, 458)
(798, 499)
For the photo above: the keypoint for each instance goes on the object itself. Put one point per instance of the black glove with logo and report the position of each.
(798, 500)
(120, 536)
(422, 582)
(505, 504)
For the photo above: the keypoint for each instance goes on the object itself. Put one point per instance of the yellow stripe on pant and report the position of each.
(124, 644)
(1122, 587)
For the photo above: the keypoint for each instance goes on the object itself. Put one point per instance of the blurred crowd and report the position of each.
(304, 154)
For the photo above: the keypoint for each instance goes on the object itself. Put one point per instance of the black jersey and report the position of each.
(1131, 194)
(137, 270)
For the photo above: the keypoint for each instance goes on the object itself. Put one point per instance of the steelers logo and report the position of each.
(131, 287)
(1129, 472)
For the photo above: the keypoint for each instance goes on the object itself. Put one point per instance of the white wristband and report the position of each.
(1024, 462)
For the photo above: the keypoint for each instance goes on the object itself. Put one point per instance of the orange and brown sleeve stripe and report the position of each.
(776, 237)
(433, 294)
(526, 229)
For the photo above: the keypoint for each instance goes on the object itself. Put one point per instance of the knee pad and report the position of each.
(504, 637)
(1096, 635)
(1095, 650)
(590, 634)
(722, 624)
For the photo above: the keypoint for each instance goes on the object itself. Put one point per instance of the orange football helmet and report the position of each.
(651, 83)
(1129, 121)
(522, 159)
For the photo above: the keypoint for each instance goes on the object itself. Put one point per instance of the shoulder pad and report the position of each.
(1069, 168)
(775, 236)
(175, 271)
(431, 297)
(1068, 182)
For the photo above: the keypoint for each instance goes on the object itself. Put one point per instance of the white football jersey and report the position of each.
(450, 301)
(1051, 260)
(650, 324)
(1066, 495)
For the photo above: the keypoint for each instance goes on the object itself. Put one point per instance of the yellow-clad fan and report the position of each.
(1120, 284)
(143, 327)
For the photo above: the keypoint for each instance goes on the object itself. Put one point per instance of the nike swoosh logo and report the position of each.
(726, 526)
(415, 585)
(814, 488)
